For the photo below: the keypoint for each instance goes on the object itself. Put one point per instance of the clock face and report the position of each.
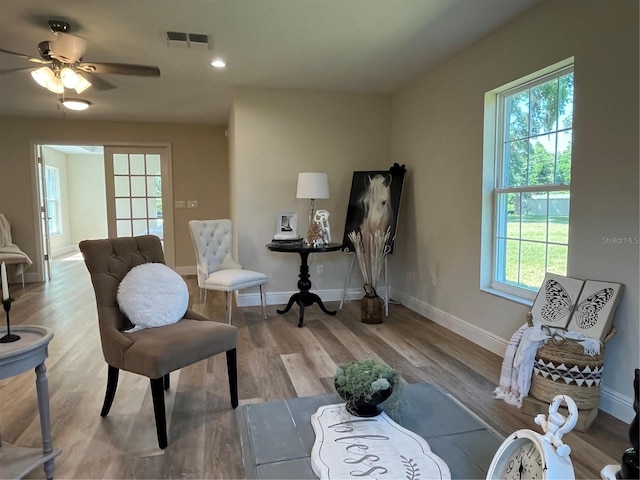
(521, 459)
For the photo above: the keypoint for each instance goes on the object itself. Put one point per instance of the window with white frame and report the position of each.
(531, 191)
(52, 179)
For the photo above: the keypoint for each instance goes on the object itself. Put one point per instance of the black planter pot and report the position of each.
(360, 407)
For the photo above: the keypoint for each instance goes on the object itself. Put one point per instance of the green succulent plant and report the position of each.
(361, 380)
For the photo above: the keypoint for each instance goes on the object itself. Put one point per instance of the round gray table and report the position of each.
(16, 357)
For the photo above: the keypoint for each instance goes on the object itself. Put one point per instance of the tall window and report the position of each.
(532, 188)
(52, 179)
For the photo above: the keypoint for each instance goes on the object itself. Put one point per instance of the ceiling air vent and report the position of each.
(196, 41)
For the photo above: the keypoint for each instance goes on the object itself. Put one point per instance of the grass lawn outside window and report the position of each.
(525, 259)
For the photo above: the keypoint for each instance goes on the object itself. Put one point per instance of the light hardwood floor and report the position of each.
(275, 360)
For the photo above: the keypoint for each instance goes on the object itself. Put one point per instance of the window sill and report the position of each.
(507, 296)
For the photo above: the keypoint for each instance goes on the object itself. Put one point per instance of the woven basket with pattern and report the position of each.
(562, 368)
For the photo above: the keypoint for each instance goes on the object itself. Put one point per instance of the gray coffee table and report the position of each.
(277, 436)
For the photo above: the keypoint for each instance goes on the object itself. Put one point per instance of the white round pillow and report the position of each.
(152, 295)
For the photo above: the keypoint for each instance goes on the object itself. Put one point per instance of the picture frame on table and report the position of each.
(286, 226)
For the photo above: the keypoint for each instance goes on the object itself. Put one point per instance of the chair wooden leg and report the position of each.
(157, 394)
(112, 384)
(263, 301)
(167, 382)
(229, 302)
(232, 370)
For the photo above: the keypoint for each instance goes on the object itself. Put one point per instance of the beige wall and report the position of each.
(87, 197)
(438, 131)
(277, 134)
(199, 156)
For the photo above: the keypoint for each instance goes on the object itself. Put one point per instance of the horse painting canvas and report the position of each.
(373, 204)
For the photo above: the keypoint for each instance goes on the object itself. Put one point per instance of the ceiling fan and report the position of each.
(63, 66)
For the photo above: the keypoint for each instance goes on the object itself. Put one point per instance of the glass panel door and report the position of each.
(138, 187)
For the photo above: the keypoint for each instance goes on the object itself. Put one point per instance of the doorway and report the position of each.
(71, 199)
(76, 197)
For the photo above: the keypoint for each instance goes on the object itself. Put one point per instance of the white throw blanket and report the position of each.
(508, 387)
(10, 251)
(5, 231)
(517, 365)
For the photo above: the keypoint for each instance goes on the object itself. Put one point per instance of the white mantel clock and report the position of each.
(527, 454)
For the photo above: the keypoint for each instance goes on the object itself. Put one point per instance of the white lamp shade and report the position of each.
(82, 85)
(313, 185)
(69, 77)
(55, 86)
(45, 77)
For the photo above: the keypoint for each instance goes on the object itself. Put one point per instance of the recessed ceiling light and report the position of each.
(218, 63)
(75, 104)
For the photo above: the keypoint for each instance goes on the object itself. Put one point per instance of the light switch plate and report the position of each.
(180, 204)
(192, 204)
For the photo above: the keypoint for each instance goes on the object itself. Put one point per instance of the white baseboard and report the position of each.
(483, 338)
(620, 406)
(252, 298)
(15, 279)
(30, 278)
(58, 252)
(612, 402)
(191, 270)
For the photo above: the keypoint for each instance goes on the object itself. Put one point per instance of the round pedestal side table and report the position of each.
(16, 357)
(304, 298)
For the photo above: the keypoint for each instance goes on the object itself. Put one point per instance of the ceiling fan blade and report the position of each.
(100, 83)
(120, 69)
(26, 57)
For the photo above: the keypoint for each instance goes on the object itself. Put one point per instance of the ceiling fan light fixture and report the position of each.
(75, 104)
(218, 63)
(67, 48)
(82, 85)
(69, 78)
(43, 76)
(56, 86)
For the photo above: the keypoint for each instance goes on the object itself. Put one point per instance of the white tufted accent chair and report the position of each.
(217, 270)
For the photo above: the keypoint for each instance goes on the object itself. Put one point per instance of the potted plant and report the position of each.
(365, 385)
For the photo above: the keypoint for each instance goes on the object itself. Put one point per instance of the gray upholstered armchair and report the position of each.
(152, 352)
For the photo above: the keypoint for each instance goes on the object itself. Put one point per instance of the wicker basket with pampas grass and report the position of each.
(370, 251)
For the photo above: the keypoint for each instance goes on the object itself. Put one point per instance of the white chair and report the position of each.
(217, 270)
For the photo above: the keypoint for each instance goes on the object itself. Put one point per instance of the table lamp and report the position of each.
(312, 186)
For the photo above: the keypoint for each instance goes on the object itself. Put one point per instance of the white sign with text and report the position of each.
(349, 447)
